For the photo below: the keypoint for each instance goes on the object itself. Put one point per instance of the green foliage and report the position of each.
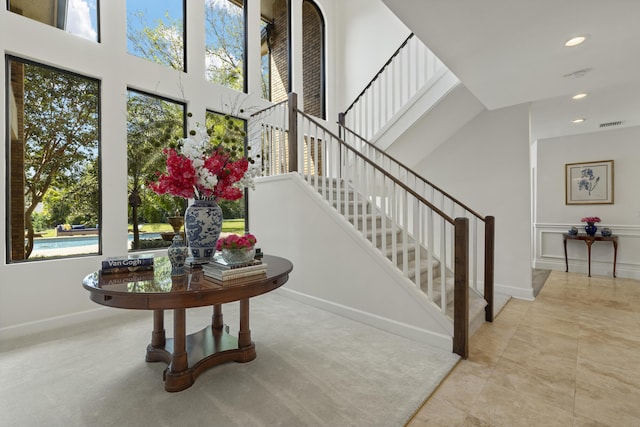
(162, 44)
(153, 243)
(233, 226)
(153, 124)
(227, 131)
(60, 141)
(61, 135)
(224, 28)
(39, 221)
(84, 197)
(56, 207)
(157, 208)
(232, 209)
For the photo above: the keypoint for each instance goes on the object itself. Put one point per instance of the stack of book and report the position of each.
(224, 274)
(127, 264)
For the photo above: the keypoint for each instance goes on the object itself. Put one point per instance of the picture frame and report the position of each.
(589, 183)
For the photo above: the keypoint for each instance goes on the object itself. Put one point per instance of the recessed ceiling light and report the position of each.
(575, 41)
(578, 120)
(579, 96)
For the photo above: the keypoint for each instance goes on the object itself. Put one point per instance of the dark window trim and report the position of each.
(8, 59)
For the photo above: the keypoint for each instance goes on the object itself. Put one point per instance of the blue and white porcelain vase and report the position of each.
(202, 226)
(177, 253)
(590, 228)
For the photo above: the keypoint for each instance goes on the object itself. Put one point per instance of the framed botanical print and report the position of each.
(589, 183)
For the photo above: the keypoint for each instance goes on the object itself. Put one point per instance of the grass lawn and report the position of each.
(228, 226)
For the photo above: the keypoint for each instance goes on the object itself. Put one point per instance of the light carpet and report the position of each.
(313, 368)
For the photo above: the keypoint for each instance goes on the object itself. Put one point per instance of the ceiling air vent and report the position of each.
(609, 124)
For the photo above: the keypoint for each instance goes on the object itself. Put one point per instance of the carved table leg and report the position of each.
(589, 243)
(244, 334)
(216, 320)
(615, 256)
(158, 337)
(178, 377)
(566, 260)
(155, 350)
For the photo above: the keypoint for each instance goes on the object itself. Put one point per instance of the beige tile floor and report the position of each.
(569, 358)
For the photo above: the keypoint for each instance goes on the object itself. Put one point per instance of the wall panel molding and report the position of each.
(549, 252)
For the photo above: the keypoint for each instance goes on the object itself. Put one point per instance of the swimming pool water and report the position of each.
(75, 241)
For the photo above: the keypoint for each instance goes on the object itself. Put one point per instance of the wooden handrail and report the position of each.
(386, 64)
(489, 221)
(460, 224)
(426, 181)
(269, 107)
(404, 186)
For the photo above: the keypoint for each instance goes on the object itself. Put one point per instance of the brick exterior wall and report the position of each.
(16, 167)
(312, 39)
(280, 52)
(312, 33)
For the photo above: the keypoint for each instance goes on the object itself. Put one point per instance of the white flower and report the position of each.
(201, 132)
(206, 179)
(194, 147)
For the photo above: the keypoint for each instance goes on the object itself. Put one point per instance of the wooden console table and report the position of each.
(187, 356)
(589, 241)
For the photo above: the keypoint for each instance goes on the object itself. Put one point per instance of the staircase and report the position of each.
(390, 243)
(436, 243)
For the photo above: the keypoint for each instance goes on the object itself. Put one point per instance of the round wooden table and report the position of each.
(187, 356)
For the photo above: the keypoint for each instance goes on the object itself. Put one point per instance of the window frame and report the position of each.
(9, 160)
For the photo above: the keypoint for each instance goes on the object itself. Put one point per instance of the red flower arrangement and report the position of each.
(589, 219)
(235, 241)
(203, 171)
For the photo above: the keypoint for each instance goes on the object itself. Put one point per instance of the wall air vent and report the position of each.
(609, 124)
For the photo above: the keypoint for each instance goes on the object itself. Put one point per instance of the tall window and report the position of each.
(155, 31)
(225, 43)
(53, 112)
(229, 132)
(53, 163)
(79, 17)
(266, 40)
(153, 124)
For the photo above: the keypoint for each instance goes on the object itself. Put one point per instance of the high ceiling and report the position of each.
(508, 52)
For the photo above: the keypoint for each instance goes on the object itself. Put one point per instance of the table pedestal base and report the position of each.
(188, 356)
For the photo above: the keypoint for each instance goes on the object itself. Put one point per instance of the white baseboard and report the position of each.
(520, 293)
(45, 325)
(388, 325)
(597, 269)
(550, 255)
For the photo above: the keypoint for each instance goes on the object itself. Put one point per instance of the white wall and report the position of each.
(368, 33)
(486, 165)
(554, 217)
(361, 35)
(44, 294)
(334, 268)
